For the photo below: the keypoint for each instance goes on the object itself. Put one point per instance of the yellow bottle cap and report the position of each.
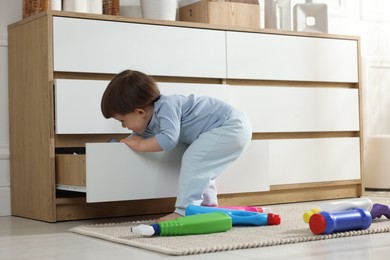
(307, 215)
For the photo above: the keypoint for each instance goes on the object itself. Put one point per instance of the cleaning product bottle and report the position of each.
(339, 205)
(239, 217)
(189, 225)
(347, 220)
(379, 210)
(247, 208)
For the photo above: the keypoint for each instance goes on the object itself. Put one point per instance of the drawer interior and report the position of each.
(70, 170)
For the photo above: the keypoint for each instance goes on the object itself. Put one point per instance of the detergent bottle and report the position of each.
(348, 220)
(189, 225)
(339, 205)
(239, 217)
(247, 208)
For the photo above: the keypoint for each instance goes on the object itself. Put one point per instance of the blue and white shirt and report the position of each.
(182, 119)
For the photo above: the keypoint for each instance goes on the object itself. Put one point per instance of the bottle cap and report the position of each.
(156, 228)
(263, 210)
(317, 224)
(145, 230)
(273, 219)
(308, 214)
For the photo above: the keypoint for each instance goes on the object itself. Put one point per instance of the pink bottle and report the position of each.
(247, 208)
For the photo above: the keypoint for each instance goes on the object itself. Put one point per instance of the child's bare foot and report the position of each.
(169, 217)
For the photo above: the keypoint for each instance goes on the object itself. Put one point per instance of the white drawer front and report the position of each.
(82, 45)
(77, 108)
(77, 104)
(115, 172)
(288, 109)
(249, 173)
(218, 91)
(279, 57)
(270, 109)
(314, 160)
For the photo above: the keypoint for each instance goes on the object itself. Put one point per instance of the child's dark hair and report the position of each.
(127, 91)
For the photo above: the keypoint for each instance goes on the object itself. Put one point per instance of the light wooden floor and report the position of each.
(28, 239)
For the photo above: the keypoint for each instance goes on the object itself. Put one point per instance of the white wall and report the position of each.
(368, 18)
(375, 30)
(4, 147)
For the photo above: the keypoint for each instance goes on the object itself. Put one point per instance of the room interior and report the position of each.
(351, 75)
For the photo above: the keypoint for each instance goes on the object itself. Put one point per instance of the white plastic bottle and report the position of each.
(339, 205)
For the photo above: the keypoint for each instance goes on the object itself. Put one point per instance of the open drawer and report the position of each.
(113, 172)
(70, 172)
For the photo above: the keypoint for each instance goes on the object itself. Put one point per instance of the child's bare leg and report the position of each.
(169, 217)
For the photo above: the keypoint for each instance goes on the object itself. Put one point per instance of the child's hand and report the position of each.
(139, 144)
(133, 142)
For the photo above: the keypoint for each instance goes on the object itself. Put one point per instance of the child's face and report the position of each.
(136, 121)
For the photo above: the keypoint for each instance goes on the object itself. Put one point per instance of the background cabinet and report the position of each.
(304, 106)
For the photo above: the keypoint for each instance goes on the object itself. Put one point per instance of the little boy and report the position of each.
(216, 133)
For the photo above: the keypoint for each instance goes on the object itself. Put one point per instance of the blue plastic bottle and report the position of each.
(239, 217)
(348, 220)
